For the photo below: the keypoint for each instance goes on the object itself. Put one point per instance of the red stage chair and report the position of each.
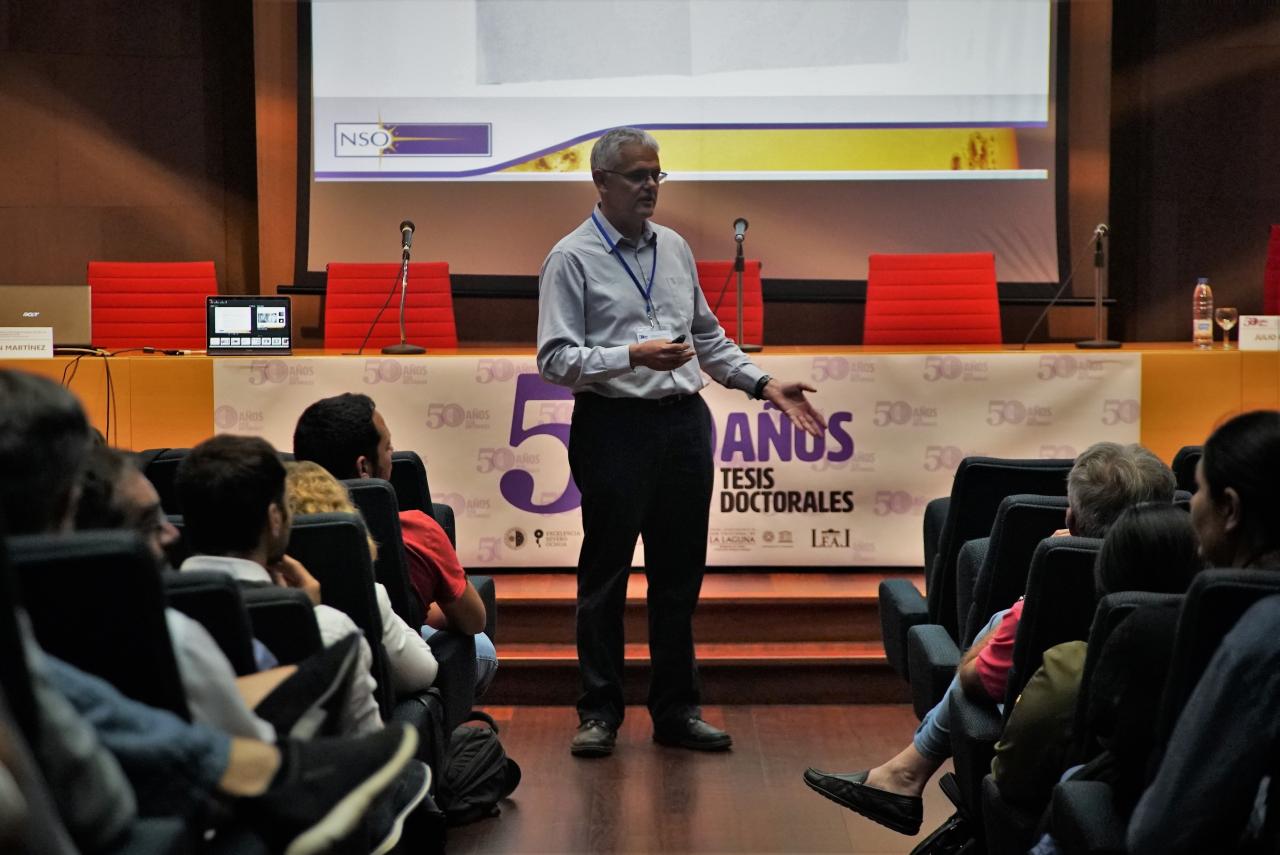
(932, 298)
(1271, 276)
(720, 287)
(150, 304)
(355, 292)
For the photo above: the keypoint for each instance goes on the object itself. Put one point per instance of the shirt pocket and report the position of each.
(680, 298)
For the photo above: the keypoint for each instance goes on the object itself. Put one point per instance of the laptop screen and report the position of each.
(238, 326)
(66, 308)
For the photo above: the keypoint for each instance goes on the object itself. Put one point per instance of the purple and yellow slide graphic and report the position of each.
(810, 150)
(384, 139)
(696, 152)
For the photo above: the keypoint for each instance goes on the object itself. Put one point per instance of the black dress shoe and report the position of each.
(693, 733)
(594, 738)
(903, 814)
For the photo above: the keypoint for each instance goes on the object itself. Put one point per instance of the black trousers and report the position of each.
(644, 468)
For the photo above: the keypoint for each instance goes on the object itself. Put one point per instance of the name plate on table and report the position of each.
(26, 342)
(1260, 332)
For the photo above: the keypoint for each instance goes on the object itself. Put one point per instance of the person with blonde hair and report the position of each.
(310, 489)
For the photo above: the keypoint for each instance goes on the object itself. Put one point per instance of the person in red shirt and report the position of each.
(1105, 479)
(349, 437)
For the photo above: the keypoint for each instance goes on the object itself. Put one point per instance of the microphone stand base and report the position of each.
(404, 349)
(751, 348)
(1094, 344)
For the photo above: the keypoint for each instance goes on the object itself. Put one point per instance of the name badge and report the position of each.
(644, 334)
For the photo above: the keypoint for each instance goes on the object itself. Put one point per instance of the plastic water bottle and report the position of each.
(1202, 314)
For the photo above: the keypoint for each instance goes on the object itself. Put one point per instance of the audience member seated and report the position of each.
(109, 760)
(312, 490)
(349, 437)
(114, 494)
(1150, 547)
(236, 520)
(1106, 479)
(1207, 794)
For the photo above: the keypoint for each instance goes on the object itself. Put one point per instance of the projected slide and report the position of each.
(517, 90)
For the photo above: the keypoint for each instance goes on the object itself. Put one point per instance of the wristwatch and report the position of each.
(758, 391)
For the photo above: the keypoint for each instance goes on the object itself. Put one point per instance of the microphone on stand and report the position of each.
(739, 266)
(402, 282)
(406, 236)
(1099, 261)
(1099, 341)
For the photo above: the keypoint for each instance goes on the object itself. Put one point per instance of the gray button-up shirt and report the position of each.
(589, 312)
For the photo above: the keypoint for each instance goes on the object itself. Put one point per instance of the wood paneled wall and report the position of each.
(1195, 179)
(126, 134)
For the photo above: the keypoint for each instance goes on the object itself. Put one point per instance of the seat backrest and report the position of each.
(334, 547)
(980, 485)
(1022, 521)
(156, 304)
(1213, 604)
(376, 500)
(214, 600)
(1271, 275)
(409, 479)
(354, 293)
(1111, 610)
(1061, 601)
(160, 465)
(96, 601)
(720, 287)
(932, 298)
(15, 678)
(1184, 466)
(284, 620)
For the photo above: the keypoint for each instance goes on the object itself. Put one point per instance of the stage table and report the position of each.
(494, 434)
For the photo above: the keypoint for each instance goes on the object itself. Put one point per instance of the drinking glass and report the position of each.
(1226, 318)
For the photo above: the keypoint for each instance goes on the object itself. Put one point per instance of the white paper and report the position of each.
(26, 342)
(1259, 332)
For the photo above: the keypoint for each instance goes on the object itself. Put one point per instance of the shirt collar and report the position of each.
(240, 569)
(646, 237)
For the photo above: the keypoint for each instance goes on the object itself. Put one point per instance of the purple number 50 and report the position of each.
(516, 485)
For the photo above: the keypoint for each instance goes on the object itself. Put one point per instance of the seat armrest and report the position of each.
(1085, 821)
(455, 654)
(485, 588)
(932, 659)
(285, 621)
(975, 728)
(425, 712)
(901, 607)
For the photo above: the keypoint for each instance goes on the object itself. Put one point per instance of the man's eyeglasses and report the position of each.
(639, 176)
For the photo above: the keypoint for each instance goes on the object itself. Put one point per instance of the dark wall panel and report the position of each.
(127, 134)
(1195, 165)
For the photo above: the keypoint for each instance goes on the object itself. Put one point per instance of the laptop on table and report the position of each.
(248, 326)
(65, 308)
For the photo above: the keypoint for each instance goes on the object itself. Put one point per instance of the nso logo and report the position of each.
(361, 140)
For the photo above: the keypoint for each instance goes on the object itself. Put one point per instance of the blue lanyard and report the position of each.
(613, 250)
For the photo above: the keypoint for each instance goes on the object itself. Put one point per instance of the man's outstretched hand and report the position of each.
(789, 397)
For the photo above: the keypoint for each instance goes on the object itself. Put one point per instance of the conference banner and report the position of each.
(494, 436)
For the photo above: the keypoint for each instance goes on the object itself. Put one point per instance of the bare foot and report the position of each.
(906, 774)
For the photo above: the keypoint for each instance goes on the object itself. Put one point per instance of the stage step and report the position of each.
(762, 638)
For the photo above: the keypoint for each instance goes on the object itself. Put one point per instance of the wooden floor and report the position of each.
(647, 798)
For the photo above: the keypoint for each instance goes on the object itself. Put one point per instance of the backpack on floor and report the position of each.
(476, 773)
